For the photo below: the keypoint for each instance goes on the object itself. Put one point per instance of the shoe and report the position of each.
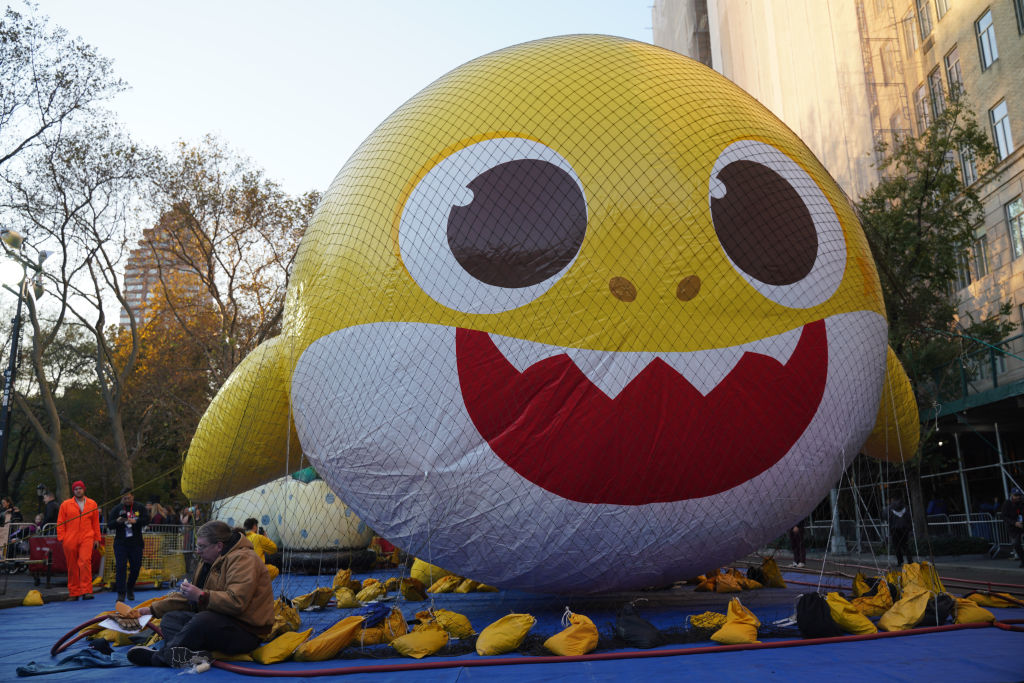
(120, 597)
(792, 564)
(131, 595)
(88, 596)
(800, 565)
(183, 658)
(142, 656)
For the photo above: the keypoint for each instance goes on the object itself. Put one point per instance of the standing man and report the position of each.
(51, 509)
(1013, 516)
(127, 519)
(78, 530)
(900, 527)
(261, 544)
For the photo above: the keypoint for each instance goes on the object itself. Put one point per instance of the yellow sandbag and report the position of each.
(993, 599)
(921, 576)
(392, 584)
(419, 644)
(847, 617)
(970, 612)
(578, 638)
(371, 592)
(318, 598)
(457, 625)
(907, 613)
(860, 585)
(330, 642)
(740, 626)
(223, 657)
(344, 598)
(427, 623)
(341, 579)
(33, 599)
(412, 589)
(395, 626)
(368, 636)
(426, 573)
(727, 583)
(484, 588)
(446, 584)
(280, 648)
(707, 620)
(706, 583)
(369, 582)
(286, 618)
(772, 575)
(466, 586)
(504, 635)
(874, 605)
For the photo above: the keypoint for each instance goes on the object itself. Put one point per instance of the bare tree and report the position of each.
(233, 234)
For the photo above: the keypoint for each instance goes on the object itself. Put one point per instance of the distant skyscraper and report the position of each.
(158, 254)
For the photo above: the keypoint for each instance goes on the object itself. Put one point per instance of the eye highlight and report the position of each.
(494, 225)
(775, 225)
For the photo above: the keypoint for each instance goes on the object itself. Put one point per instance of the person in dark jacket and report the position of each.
(51, 508)
(899, 529)
(1013, 517)
(127, 520)
(796, 543)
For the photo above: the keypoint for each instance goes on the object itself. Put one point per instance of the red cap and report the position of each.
(78, 483)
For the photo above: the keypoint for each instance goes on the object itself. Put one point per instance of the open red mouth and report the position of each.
(658, 440)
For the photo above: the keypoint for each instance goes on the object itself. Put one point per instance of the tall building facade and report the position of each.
(159, 255)
(848, 74)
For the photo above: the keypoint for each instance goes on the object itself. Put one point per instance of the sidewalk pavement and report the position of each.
(14, 587)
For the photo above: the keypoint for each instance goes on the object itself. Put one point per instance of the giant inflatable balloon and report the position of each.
(581, 315)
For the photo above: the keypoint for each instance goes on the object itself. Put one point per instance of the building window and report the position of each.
(986, 32)
(963, 271)
(1000, 119)
(979, 257)
(935, 92)
(941, 7)
(1018, 9)
(1015, 219)
(954, 77)
(924, 17)
(968, 167)
(921, 108)
(909, 33)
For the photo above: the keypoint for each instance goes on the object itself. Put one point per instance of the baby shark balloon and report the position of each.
(581, 315)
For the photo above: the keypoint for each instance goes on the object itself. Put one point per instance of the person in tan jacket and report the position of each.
(228, 606)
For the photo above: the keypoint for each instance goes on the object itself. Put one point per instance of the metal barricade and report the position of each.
(14, 545)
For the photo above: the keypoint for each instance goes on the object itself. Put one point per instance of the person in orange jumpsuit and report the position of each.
(78, 530)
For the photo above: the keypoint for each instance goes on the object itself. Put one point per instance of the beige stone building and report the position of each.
(846, 74)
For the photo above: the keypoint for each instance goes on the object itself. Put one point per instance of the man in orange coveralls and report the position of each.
(78, 530)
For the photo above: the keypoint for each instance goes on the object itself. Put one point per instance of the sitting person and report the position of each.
(262, 544)
(229, 607)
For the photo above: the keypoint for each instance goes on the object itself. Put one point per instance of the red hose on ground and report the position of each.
(603, 656)
(61, 645)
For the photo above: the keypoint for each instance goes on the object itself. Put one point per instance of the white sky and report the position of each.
(298, 85)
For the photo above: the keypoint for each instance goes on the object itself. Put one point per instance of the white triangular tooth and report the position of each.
(705, 369)
(522, 353)
(780, 347)
(610, 371)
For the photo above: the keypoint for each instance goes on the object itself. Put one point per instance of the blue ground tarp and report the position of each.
(986, 654)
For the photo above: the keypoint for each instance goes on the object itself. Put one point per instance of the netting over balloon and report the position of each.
(579, 316)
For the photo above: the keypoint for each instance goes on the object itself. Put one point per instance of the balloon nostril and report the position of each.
(688, 288)
(622, 289)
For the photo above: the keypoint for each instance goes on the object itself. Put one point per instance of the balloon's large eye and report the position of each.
(494, 225)
(776, 225)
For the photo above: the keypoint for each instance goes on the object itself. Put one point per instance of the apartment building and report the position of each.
(848, 74)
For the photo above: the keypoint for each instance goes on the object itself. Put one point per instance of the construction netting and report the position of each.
(580, 316)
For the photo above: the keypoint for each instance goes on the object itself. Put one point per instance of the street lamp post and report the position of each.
(12, 243)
